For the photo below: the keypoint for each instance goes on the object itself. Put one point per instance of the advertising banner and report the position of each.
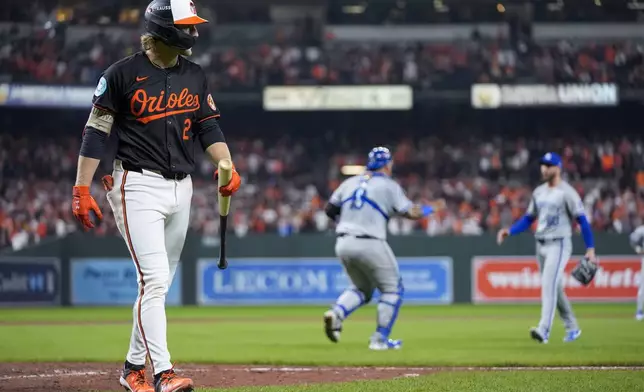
(494, 96)
(311, 281)
(29, 281)
(112, 282)
(517, 279)
(399, 97)
(46, 96)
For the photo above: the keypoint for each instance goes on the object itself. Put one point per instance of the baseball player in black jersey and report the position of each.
(158, 104)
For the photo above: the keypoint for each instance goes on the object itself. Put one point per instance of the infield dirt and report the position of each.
(92, 376)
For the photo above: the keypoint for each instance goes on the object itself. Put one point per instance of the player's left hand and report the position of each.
(82, 204)
(233, 184)
(586, 269)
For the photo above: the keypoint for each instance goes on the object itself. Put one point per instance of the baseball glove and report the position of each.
(585, 271)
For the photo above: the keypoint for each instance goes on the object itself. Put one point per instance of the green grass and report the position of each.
(274, 312)
(533, 381)
(460, 335)
(433, 336)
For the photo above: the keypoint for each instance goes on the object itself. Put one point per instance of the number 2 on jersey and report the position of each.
(187, 124)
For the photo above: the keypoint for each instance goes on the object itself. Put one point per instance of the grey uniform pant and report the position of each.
(553, 255)
(370, 264)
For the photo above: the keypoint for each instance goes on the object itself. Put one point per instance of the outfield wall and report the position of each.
(268, 269)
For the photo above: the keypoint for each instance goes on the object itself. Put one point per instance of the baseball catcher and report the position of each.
(362, 205)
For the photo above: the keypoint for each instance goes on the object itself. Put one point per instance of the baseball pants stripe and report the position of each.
(138, 268)
(152, 214)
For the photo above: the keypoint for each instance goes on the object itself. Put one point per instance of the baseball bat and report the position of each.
(225, 173)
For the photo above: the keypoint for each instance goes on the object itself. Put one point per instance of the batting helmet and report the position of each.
(378, 158)
(550, 159)
(164, 20)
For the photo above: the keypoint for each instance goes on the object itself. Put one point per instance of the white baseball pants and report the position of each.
(152, 214)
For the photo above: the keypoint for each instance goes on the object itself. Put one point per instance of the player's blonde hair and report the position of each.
(148, 42)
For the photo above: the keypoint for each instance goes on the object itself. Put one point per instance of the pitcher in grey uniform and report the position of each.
(555, 204)
(637, 242)
(361, 206)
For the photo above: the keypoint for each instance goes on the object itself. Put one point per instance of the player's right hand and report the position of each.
(108, 182)
(233, 184)
(501, 235)
(82, 204)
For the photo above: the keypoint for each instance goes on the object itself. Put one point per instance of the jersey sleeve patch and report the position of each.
(211, 103)
(101, 87)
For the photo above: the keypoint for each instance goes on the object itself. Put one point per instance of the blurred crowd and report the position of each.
(486, 183)
(43, 57)
(380, 12)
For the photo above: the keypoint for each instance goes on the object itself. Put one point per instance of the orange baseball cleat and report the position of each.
(135, 381)
(170, 382)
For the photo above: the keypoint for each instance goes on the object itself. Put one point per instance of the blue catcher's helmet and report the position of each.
(378, 157)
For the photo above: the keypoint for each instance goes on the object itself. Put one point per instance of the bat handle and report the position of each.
(223, 224)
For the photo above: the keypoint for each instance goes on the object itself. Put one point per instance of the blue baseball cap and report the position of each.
(550, 159)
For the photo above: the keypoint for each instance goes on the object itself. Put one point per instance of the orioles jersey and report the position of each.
(157, 112)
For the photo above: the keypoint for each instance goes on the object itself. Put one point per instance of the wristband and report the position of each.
(427, 210)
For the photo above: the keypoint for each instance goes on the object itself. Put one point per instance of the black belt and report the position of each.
(166, 175)
(546, 240)
(361, 236)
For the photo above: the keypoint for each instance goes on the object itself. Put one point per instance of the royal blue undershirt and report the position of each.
(427, 210)
(522, 224)
(586, 232)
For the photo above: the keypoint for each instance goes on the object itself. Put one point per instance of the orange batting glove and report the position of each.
(233, 184)
(82, 203)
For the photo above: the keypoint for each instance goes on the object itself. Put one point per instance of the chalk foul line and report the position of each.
(70, 373)
(435, 368)
(55, 374)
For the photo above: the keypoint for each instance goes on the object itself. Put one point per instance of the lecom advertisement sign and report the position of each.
(517, 279)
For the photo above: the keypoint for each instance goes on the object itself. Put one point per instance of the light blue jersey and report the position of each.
(367, 201)
(556, 208)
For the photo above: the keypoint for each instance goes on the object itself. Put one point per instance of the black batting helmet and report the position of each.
(164, 19)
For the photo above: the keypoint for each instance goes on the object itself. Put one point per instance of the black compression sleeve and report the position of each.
(94, 142)
(332, 211)
(210, 133)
